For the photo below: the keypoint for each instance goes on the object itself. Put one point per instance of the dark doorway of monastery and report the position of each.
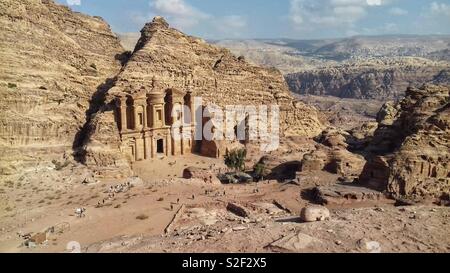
(160, 146)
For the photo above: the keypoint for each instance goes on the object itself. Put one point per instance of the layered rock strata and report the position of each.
(409, 154)
(54, 62)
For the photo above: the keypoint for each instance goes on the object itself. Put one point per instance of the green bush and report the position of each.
(94, 66)
(259, 171)
(12, 85)
(235, 159)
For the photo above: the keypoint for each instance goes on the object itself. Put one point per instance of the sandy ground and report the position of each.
(164, 168)
(362, 230)
(135, 220)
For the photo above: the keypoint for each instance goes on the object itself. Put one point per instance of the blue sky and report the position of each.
(297, 19)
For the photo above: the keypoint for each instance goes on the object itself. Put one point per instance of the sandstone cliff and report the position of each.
(183, 62)
(54, 62)
(215, 74)
(381, 80)
(409, 153)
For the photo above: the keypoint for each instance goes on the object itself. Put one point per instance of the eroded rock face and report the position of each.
(338, 161)
(184, 62)
(333, 155)
(53, 62)
(410, 149)
(173, 60)
(103, 147)
(368, 81)
(387, 114)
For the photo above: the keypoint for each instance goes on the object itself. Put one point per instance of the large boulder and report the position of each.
(314, 214)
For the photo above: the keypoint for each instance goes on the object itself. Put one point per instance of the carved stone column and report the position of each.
(136, 151)
(121, 104)
(163, 115)
(135, 115)
(182, 141)
(191, 106)
(149, 114)
(153, 148)
(168, 146)
(146, 148)
(144, 117)
(182, 113)
(173, 145)
(139, 149)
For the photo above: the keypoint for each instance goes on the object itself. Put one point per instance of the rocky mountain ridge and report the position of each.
(332, 51)
(385, 46)
(53, 63)
(372, 67)
(176, 60)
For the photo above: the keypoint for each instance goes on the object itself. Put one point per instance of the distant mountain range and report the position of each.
(291, 55)
(372, 67)
(313, 54)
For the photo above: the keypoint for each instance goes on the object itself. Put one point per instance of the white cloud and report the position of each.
(351, 13)
(74, 2)
(296, 12)
(436, 15)
(374, 2)
(358, 2)
(330, 13)
(440, 9)
(398, 11)
(173, 7)
(185, 17)
(178, 12)
(434, 18)
(231, 26)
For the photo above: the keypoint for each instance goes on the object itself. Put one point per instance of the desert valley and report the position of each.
(89, 161)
